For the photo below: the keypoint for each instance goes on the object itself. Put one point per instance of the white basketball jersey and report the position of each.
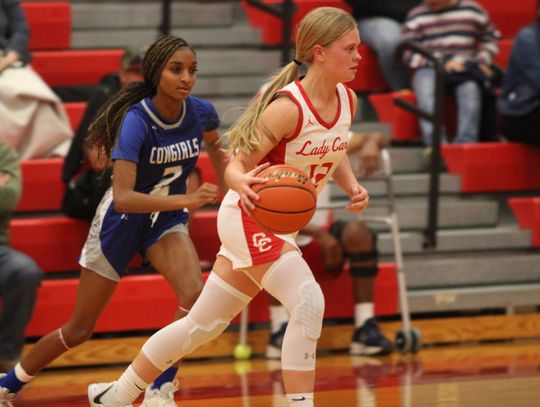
(316, 147)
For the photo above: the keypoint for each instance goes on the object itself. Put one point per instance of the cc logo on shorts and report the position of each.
(261, 242)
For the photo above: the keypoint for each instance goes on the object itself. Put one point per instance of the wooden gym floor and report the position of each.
(490, 375)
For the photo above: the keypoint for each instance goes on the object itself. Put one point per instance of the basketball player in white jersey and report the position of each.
(300, 122)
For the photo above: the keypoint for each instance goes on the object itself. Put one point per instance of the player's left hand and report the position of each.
(359, 199)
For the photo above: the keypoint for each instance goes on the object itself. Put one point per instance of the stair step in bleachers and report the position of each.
(89, 15)
(527, 211)
(454, 213)
(453, 270)
(238, 35)
(50, 24)
(491, 167)
(501, 237)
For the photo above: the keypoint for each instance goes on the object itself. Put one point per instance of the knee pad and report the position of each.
(211, 314)
(310, 310)
(369, 268)
(291, 281)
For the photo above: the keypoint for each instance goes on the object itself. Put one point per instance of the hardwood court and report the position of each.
(502, 374)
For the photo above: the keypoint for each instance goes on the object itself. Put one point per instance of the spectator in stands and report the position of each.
(33, 119)
(86, 172)
(519, 103)
(461, 33)
(20, 276)
(152, 130)
(327, 243)
(380, 25)
(271, 130)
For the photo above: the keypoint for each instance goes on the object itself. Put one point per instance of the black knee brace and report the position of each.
(371, 257)
(357, 270)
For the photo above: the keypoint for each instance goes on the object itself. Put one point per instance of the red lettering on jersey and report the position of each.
(337, 145)
(307, 150)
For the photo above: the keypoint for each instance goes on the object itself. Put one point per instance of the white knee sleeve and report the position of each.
(291, 281)
(217, 305)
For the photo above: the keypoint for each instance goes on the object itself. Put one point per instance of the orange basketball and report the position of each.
(287, 199)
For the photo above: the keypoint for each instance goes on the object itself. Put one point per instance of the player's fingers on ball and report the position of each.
(259, 168)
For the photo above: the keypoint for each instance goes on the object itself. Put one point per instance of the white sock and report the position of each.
(278, 316)
(21, 374)
(362, 312)
(127, 388)
(300, 399)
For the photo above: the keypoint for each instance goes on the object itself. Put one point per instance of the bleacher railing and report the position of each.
(436, 118)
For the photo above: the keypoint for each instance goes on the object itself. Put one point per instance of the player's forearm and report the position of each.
(219, 162)
(344, 176)
(138, 202)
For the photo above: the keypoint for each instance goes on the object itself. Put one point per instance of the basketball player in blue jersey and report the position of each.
(153, 131)
(300, 122)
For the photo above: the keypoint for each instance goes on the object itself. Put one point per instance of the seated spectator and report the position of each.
(33, 119)
(380, 25)
(460, 32)
(19, 275)
(519, 103)
(326, 245)
(87, 172)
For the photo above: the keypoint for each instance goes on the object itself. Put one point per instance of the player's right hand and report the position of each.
(247, 195)
(206, 194)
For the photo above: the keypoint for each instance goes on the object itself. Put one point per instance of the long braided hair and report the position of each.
(104, 129)
(323, 26)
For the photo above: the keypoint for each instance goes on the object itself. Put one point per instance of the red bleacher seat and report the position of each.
(55, 243)
(203, 232)
(527, 211)
(75, 112)
(139, 302)
(76, 67)
(135, 302)
(50, 25)
(509, 18)
(271, 26)
(42, 188)
(404, 125)
(490, 167)
(368, 76)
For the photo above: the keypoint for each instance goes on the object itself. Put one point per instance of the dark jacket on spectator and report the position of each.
(394, 9)
(14, 32)
(521, 86)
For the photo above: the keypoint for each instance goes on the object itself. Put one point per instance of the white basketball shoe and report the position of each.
(162, 397)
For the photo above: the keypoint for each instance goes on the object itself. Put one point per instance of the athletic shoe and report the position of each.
(369, 340)
(97, 390)
(162, 397)
(273, 350)
(5, 396)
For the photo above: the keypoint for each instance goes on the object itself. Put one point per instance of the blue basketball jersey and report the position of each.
(165, 153)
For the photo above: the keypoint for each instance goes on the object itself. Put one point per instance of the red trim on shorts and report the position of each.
(314, 111)
(263, 246)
